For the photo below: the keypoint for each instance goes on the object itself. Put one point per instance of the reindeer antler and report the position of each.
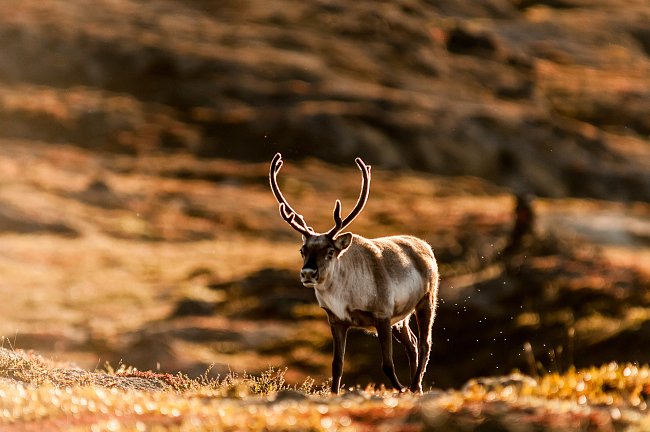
(295, 220)
(340, 224)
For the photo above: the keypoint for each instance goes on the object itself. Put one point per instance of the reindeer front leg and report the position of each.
(339, 335)
(385, 335)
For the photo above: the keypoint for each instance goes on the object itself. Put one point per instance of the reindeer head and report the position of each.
(319, 251)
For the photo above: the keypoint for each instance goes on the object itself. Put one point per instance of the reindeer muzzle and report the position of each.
(309, 277)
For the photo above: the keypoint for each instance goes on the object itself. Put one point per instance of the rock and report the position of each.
(191, 307)
(290, 395)
(462, 40)
(15, 220)
(516, 380)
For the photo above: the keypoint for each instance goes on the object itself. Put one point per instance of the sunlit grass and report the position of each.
(37, 393)
(610, 384)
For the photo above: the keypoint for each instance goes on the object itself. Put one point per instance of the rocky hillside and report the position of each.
(550, 97)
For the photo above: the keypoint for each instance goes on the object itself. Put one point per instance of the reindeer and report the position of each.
(370, 283)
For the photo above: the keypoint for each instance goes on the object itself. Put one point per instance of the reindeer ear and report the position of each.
(343, 241)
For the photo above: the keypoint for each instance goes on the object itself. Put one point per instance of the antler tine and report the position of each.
(294, 219)
(338, 222)
(290, 218)
(361, 201)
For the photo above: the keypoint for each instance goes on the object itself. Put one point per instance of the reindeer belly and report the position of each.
(407, 295)
(362, 310)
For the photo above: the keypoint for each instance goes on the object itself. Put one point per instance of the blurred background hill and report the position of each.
(549, 97)
(135, 215)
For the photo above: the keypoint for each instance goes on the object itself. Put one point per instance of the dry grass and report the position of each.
(37, 394)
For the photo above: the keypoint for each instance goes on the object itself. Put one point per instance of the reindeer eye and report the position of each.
(330, 253)
(302, 253)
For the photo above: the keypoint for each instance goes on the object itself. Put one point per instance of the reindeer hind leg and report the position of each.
(407, 338)
(425, 313)
(384, 331)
